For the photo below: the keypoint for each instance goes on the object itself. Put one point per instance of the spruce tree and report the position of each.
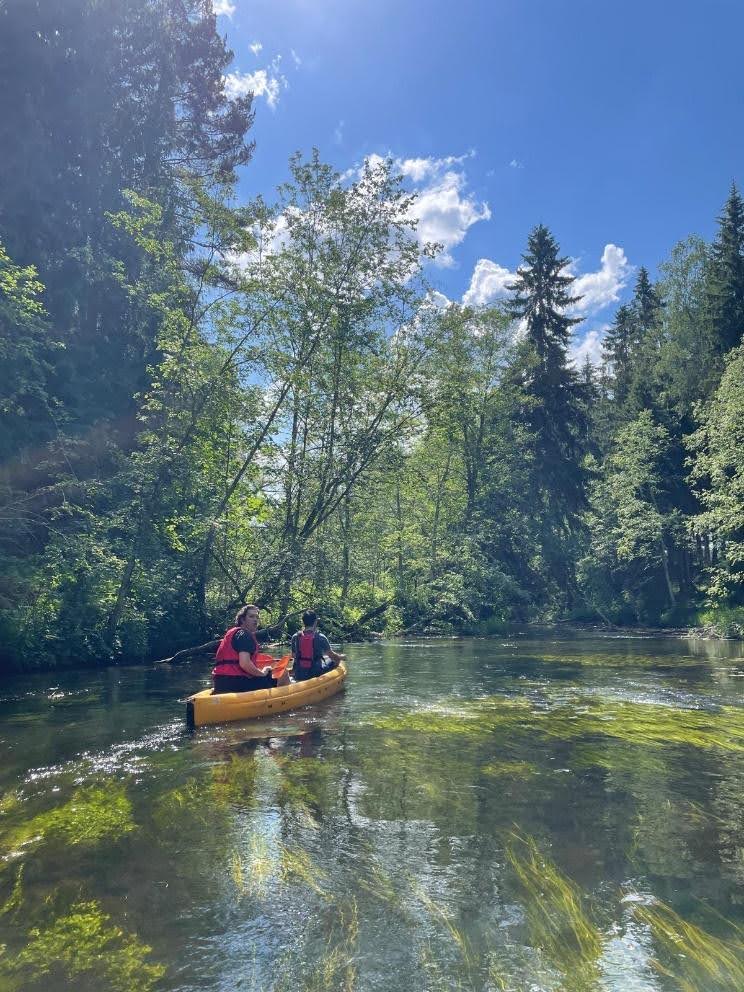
(726, 282)
(555, 410)
(616, 351)
(644, 389)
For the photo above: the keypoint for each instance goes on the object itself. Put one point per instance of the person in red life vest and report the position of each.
(309, 648)
(236, 670)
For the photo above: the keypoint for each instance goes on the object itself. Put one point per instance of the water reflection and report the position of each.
(528, 813)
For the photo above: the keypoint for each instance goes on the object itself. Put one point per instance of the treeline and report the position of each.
(205, 404)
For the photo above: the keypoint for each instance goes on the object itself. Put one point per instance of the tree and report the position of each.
(726, 279)
(633, 528)
(554, 410)
(717, 471)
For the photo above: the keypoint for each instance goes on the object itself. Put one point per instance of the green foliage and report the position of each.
(717, 467)
(633, 529)
(206, 404)
(87, 948)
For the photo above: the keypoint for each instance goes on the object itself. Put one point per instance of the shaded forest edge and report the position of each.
(206, 402)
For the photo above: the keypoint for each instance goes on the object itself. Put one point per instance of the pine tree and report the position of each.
(726, 283)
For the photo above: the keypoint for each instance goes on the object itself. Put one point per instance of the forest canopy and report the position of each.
(207, 401)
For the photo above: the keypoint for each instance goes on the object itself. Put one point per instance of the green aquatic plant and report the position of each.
(476, 719)
(234, 781)
(647, 724)
(510, 769)
(93, 815)
(558, 923)
(86, 947)
(309, 785)
(13, 903)
(625, 761)
(693, 958)
(254, 872)
(296, 865)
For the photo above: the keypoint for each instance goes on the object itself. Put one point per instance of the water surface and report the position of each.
(533, 812)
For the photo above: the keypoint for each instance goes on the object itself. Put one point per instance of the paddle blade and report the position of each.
(279, 667)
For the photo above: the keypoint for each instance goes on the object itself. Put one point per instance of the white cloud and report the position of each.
(601, 288)
(589, 347)
(223, 7)
(515, 164)
(419, 169)
(338, 134)
(443, 209)
(438, 300)
(267, 83)
(295, 57)
(488, 283)
(256, 47)
(445, 212)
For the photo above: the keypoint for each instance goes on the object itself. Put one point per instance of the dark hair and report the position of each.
(242, 612)
(309, 617)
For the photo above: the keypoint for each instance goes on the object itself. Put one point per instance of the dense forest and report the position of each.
(206, 402)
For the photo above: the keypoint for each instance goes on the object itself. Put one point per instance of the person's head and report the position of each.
(247, 617)
(309, 618)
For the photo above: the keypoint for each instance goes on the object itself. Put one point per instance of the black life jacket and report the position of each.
(308, 650)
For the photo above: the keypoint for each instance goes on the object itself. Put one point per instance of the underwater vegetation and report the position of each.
(94, 814)
(696, 960)
(476, 719)
(510, 769)
(266, 865)
(330, 964)
(646, 724)
(558, 924)
(84, 947)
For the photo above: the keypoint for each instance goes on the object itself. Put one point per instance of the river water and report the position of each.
(533, 812)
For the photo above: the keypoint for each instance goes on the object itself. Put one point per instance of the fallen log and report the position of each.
(208, 649)
(184, 654)
(356, 628)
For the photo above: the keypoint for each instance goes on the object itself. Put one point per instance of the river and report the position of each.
(540, 811)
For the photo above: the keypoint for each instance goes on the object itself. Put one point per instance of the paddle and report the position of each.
(278, 665)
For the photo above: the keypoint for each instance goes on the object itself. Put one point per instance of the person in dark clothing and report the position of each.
(236, 669)
(309, 648)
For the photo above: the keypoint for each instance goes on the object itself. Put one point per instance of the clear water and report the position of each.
(524, 813)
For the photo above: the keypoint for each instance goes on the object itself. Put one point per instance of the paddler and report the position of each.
(236, 669)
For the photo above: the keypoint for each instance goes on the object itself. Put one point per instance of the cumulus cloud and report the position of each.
(223, 7)
(603, 287)
(256, 47)
(590, 346)
(488, 283)
(267, 83)
(445, 212)
(443, 208)
(419, 169)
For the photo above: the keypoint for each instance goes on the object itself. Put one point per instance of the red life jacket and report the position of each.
(227, 656)
(306, 649)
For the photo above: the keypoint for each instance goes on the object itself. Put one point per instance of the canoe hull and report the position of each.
(205, 707)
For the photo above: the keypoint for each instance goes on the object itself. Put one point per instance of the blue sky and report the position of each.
(617, 125)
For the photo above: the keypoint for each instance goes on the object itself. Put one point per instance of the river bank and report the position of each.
(204, 653)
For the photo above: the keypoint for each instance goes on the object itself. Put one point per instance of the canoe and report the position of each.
(207, 707)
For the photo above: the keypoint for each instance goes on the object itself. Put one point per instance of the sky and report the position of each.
(618, 125)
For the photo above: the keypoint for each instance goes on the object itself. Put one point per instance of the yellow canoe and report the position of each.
(207, 707)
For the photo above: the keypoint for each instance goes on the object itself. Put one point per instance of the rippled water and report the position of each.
(526, 813)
